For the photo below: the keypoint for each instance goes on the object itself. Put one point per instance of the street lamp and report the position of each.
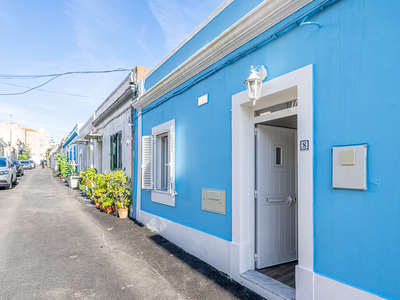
(254, 82)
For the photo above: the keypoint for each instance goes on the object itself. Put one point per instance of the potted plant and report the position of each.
(107, 206)
(70, 169)
(82, 181)
(61, 159)
(90, 181)
(121, 193)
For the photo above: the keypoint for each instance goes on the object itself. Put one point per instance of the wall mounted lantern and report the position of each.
(254, 82)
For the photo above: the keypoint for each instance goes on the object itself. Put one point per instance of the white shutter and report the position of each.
(147, 156)
(171, 154)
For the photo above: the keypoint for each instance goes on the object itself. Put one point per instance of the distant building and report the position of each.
(11, 133)
(3, 146)
(37, 142)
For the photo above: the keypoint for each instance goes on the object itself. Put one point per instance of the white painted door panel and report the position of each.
(276, 207)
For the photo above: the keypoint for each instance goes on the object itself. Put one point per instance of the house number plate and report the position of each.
(304, 145)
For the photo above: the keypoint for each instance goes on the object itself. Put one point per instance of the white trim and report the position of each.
(211, 249)
(139, 166)
(243, 223)
(326, 288)
(191, 35)
(161, 197)
(260, 19)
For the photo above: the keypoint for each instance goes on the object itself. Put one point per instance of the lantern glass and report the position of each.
(253, 86)
(257, 88)
(250, 89)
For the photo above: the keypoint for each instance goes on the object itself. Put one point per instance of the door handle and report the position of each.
(290, 200)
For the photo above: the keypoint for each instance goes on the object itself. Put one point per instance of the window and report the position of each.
(275, 108)
(158, 163)
(116, 151)
(162, 167)
(278, 156)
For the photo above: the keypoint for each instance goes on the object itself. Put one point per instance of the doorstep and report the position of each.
(269, 288)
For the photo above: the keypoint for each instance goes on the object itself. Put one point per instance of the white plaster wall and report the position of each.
(82, 160)
(17, 132)
(97, 155)
(115, 123)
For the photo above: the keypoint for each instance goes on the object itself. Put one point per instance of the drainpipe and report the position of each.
(133, 85)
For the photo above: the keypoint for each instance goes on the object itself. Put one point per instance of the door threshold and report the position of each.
(268, 286)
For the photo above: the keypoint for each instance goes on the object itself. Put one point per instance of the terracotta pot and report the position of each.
(101, 208)
(114, 208)
(123, 213)
(97, 203)
(108, 210)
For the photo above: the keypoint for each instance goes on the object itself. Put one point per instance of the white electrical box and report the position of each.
(213, 200)
(349, 167)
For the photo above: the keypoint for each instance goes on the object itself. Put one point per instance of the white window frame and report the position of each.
(166, 197)
(161, 168)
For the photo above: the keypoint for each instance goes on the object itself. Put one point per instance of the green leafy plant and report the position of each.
(99, 188)
(26, 152)
(90, 180)
(82, 180)
(68, 169)
(107, 203)
(61, 159)
(120, 188)
(22, 157)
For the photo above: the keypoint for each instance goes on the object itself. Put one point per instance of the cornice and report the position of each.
(117, 104)
(260, 19)
(215, 13)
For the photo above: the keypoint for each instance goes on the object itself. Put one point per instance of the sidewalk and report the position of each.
(187, 275)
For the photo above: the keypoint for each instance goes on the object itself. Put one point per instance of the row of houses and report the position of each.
(302, 171)
(105, 140)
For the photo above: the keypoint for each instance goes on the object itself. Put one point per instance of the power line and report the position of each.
(10, 76)
(61, 93)
(54, 76)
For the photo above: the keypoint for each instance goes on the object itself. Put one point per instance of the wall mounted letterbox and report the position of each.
(349, 167)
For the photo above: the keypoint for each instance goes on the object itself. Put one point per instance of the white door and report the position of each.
(276, 195)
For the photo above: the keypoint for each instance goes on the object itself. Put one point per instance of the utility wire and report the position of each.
(42, 90)
(9, 76)
(55, 76)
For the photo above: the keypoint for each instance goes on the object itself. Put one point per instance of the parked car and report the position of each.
(32, 163)
(8, 173)
(18, 166)
(26, 164)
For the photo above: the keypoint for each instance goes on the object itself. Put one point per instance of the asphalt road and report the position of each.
(54, 244)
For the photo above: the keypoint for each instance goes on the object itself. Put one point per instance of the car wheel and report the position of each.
(10, 186)
(15, 180)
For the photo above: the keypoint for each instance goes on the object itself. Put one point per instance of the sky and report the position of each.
(51, 37)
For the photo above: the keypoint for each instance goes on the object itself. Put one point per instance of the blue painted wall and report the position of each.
(230, 15)
(356, 100)
(201, 132)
